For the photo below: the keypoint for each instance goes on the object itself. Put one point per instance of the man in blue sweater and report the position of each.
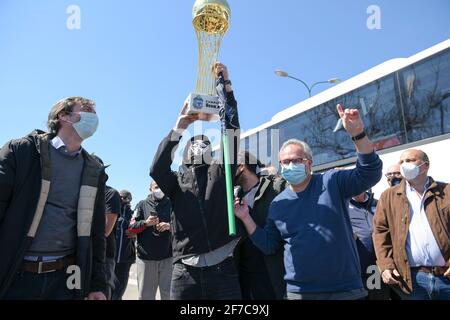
(310, 218)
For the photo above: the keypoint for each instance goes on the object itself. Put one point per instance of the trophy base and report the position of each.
(208, 107)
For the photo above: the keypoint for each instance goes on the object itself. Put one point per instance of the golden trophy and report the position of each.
(211, 19)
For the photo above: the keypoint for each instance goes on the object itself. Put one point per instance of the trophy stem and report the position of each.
(208, 52)
(229, 185)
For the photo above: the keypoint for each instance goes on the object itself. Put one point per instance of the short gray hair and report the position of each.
(300, 143)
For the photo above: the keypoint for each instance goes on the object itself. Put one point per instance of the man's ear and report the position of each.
(311, 163)
(61, 115)
(239, 169)
(427, 166)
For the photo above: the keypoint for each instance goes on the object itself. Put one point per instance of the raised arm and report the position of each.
(230, 113)
(368, 169)
(354, 126)
(160, 170)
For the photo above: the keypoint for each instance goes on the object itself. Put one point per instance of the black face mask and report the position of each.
(199, 151)
(395, 181)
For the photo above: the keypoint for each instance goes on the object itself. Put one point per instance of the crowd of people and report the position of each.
(66, 234)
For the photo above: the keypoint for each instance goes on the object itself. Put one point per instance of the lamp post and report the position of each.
(284, 74)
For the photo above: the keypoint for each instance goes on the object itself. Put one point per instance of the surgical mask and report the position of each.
(294, 173)
(410, 171)
(158, 194)
(87, 125)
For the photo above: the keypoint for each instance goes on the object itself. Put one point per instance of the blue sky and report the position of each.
(138, 60)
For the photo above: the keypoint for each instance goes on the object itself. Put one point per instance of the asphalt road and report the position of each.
(131, 293)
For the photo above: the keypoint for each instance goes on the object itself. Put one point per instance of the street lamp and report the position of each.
(284, 74)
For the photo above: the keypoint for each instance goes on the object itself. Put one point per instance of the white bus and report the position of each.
(404, 102)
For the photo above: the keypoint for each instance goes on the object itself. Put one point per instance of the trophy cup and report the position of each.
(211, 20)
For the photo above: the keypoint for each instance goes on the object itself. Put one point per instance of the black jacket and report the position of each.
(197, 193)
(152, 245)
(125, 247)
(25, 178)
(269, 187)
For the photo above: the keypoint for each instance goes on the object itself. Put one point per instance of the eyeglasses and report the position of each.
(295, 161)
(393, 174)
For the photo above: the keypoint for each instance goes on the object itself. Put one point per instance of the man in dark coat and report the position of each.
(260, 276)
(52, 210)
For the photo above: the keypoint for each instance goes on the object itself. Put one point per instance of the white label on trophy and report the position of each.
(210, 105)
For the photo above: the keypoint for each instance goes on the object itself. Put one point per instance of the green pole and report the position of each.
(229, 185)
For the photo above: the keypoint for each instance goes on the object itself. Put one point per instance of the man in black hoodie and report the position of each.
(151, 224)
(202, 247)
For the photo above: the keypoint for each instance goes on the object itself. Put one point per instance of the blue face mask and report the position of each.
(87, 125)
(294, 173)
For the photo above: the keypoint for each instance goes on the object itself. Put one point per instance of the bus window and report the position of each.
(380, 112)
(426, 95)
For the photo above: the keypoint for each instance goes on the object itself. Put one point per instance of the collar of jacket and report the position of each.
(92, 168)
(264, 182)
(41, 140)
(38, 136)
(433, 189)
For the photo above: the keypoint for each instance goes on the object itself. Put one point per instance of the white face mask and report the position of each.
(158, 194)
(410, 171)
(87, 125)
